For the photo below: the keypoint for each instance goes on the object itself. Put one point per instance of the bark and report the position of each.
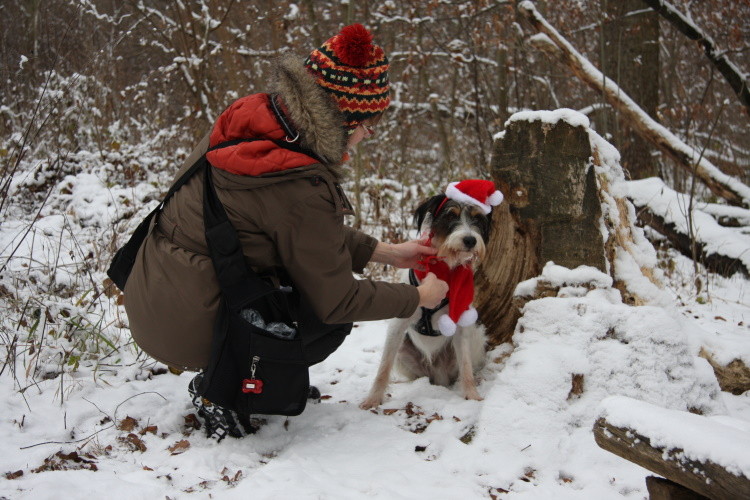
(721, 184)
(664, 489)
(551, 213)
(727, 69)
(706, 478)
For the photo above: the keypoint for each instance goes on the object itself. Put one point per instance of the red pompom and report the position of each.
(353, 46)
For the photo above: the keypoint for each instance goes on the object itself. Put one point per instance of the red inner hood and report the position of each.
(251, 117)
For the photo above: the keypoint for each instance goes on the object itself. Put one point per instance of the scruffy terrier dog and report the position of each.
(431, 343)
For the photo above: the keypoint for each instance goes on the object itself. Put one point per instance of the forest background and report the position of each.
(101, 100)
(107, 76)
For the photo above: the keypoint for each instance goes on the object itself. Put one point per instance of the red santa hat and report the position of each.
(475, 191)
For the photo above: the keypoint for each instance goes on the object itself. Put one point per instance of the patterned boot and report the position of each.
(218, 421)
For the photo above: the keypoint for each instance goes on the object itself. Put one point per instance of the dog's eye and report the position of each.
(475, 211)
(453, 212)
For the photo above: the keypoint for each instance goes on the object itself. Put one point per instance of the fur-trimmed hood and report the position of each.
(257, 126)
(312, 110)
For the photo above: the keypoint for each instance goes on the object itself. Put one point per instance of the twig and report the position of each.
(114, 421)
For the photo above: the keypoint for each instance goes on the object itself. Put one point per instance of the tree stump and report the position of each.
(551, 213)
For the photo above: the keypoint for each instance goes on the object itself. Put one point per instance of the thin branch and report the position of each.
(550, 41)
(727, 68)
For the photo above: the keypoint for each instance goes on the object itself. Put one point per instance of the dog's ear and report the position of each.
(487, 228)
(427, 207)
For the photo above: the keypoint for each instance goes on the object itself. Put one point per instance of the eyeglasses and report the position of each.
(369, 130)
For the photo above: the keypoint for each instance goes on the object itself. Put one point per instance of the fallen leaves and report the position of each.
(133, 442)
(127, 424)
(416, 420)
(179, 447)
(66, 461)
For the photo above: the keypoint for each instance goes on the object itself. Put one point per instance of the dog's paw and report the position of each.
(473, 395)
(371, 402)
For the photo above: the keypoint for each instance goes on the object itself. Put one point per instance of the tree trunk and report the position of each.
(551, 213)
(721, 184)
(631, 58)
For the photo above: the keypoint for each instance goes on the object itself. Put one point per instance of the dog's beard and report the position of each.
(454, 253)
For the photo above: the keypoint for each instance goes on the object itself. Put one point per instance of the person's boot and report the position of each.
(314, 394)
(219, 422)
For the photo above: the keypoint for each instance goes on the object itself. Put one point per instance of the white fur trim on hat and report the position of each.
(455, 193)
(446, 325)
(468, 317)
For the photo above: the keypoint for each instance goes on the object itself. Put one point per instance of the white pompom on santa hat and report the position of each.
(478, 192)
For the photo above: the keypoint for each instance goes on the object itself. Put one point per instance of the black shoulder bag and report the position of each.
(251, 370)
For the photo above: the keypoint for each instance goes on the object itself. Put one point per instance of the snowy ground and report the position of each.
(527, 439)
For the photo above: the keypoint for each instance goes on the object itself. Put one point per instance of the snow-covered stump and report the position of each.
(566, 202)
(579, 332)
(542, 164)
(706, 455)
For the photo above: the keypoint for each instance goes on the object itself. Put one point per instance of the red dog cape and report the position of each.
(460, 293)
(481, 193)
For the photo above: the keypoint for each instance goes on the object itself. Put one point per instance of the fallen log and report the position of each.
(720, 249)
(718, 477)
(554, 44)
(664, 489)
(714, 262)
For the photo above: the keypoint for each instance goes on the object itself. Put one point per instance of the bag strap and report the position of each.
(239, 284)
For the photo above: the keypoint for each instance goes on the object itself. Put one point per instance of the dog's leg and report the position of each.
(394, 339)
(462, 346)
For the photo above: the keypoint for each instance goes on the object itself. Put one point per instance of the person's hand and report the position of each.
(403, 255)
(432, 291)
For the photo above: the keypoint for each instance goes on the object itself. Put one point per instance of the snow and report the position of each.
(572, 117)
(528, 436)
(561, 277)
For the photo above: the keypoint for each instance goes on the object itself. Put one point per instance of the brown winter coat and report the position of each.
(291, 218)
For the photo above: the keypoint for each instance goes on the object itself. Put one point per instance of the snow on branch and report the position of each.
(723, 250)
(728, 70)
(550, 41)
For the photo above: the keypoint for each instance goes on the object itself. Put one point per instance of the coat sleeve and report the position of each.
(361, 247)
(319, 255)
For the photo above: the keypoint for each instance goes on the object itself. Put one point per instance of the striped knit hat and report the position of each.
(355, 71)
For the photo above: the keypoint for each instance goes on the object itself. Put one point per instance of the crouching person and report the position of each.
(250, 305)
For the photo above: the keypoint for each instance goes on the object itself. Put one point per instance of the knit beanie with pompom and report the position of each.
(354, 71)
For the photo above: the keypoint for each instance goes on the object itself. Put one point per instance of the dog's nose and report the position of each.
(469, 242)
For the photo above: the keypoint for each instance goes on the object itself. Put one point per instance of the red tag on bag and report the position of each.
(252, 385)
